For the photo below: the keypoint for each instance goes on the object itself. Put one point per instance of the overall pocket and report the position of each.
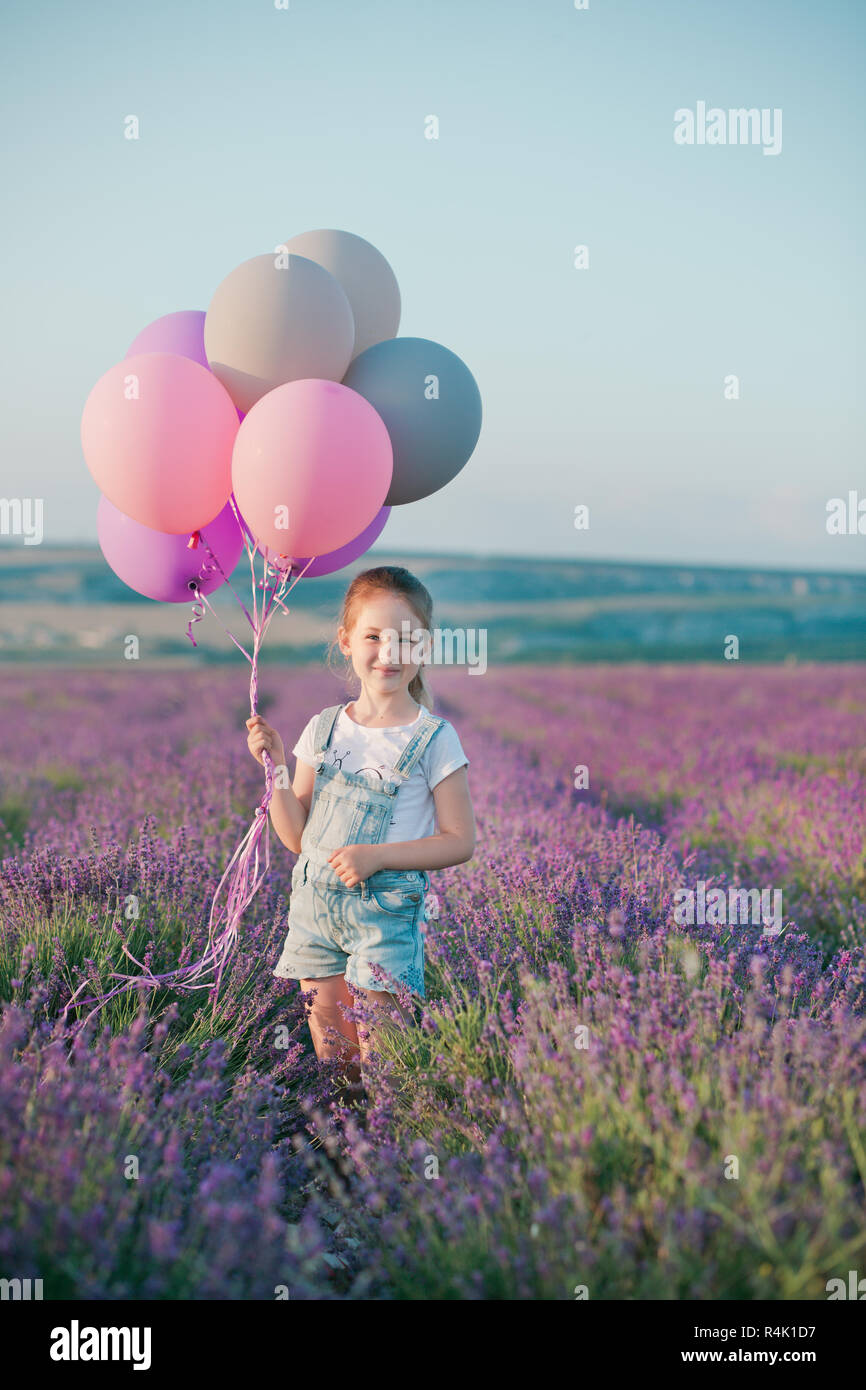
(367, 824)
(397, 899)
(337, 819)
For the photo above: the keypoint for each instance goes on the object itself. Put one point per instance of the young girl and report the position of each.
(371, 777)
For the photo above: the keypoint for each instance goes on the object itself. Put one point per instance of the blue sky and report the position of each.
(602, 386)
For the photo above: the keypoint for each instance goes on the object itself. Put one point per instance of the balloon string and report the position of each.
(198, 611)
(249, 864)
(211, 564)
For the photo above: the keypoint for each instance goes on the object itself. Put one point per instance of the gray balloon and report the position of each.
(431, 406)
(367, 278)
(273, 319)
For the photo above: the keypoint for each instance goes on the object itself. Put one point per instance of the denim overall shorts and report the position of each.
(336, 930)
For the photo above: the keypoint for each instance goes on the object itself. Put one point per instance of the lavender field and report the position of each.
(598, 1099)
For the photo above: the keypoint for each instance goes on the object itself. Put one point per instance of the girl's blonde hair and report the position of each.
(392, 579)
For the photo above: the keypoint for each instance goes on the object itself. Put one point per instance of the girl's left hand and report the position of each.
(352, 863)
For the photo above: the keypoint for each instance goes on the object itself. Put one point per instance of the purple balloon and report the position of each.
(333, 559)
(160, 565)
(182, 333)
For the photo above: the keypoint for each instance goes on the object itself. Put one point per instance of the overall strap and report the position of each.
(324, 729)
(429, 725)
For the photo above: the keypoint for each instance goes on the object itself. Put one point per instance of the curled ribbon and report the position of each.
(197, 611)
(209, 566)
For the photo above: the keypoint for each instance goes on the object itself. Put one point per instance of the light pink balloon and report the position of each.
(312, 454)
(157, 433)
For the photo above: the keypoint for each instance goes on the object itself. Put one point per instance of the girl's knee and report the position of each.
(383, 1006)
(330, 1029)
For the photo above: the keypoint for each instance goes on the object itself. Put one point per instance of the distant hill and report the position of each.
(64, 604)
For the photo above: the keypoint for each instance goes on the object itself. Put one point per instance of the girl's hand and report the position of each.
(262, 736)
(352, 863)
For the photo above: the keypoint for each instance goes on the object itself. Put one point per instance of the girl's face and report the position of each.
(385, 654)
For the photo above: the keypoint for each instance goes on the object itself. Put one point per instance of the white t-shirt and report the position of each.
(357, 749)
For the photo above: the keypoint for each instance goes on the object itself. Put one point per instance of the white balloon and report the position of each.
(274, 319)
(367, 278)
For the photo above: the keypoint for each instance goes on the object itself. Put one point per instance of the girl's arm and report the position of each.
(289, 806)
(455, 842)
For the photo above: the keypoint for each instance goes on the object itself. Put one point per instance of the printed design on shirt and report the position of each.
(336, 759)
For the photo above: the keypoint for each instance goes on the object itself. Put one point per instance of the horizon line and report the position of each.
(563, 559)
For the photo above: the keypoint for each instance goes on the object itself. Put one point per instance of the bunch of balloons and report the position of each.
(288, 420)
(289, 415)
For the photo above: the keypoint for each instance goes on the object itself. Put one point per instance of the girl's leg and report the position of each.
(382, 1000)
(326, 1013)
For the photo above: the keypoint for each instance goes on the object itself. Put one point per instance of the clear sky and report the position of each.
(602, 386)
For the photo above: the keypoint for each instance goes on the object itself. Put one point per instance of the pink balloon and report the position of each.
(311, 467)
(160, 565)
(157, 433)
(334, 559)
